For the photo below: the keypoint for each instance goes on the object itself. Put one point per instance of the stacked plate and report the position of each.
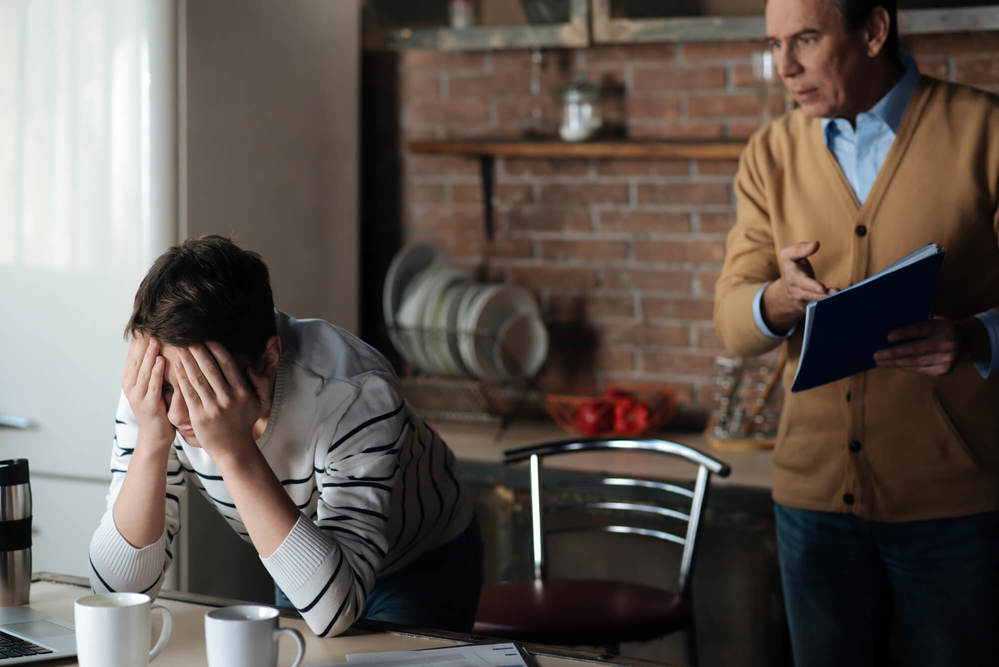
(444, 323)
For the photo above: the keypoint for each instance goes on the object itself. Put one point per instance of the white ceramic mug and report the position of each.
(246, 635)
(113, 630)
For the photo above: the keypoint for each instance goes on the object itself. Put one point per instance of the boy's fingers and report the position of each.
(226, 363)
(207, 368)
(190, 391)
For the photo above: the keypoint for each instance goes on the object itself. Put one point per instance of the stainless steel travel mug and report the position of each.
(15, 532)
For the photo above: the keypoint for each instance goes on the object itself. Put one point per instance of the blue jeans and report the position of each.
(843, 577)
(439, 590)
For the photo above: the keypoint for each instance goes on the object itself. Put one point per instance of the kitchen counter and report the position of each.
(485, 443)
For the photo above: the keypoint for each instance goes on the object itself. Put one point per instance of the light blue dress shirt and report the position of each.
(860, 152)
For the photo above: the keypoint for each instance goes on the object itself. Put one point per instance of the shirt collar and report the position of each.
(891, 107)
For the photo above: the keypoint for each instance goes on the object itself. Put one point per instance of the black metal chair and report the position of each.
(601, 612)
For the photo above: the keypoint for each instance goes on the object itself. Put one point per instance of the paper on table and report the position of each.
(471, 655)
(842, 331)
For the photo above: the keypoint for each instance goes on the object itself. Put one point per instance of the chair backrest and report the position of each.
(684, 508)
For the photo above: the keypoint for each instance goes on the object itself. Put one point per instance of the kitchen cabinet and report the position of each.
(630, 21)
(380, 32)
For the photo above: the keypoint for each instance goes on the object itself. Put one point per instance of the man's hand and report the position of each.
(785, 299)
(142, 382)
(222, 403)
(935, 346)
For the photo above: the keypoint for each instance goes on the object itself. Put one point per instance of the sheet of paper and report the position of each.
(471, 655)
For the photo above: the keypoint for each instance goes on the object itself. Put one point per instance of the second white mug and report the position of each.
(112, 630)
(246, 635)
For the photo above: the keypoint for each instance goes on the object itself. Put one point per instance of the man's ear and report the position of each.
(267, 366)
(876, 31)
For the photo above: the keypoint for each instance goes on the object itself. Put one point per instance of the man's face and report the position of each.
(819, 61)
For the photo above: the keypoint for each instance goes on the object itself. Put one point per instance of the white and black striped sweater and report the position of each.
(375, 484)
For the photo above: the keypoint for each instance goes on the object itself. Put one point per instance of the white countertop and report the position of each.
(485, 443)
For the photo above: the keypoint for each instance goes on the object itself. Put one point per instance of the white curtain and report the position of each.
(87, 133)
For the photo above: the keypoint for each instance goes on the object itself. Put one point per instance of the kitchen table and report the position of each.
(54, 594)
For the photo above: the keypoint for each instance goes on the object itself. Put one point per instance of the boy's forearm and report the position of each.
(139, 510)
(266, 510)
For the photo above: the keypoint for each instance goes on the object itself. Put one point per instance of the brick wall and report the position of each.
(623, 254)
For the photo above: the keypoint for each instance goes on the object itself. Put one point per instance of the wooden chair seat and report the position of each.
(578, 611)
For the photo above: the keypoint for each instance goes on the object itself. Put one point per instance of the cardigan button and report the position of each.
(855, 446)
(848, 498)
(861, 230)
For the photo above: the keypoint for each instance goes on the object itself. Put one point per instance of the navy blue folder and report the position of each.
(843, 331)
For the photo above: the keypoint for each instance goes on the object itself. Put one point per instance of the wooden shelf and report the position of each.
(702, 150)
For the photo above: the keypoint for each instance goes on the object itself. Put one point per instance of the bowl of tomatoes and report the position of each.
(617, 411)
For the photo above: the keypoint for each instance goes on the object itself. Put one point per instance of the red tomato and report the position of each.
(595, 416)
(631, 417)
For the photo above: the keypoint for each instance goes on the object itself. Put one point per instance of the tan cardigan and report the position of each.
(928, 447)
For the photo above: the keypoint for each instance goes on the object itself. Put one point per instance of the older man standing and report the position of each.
(886, 483)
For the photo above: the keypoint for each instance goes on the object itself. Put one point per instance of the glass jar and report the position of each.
(581, 116)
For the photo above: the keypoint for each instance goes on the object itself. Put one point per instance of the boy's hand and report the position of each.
(222, 403)
(142, 382)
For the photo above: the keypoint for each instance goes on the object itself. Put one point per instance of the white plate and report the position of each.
(467, 333)
(521, 347)
(491, 309)
(444, 333)
(432, 336)
(409, 316)
(406, 264)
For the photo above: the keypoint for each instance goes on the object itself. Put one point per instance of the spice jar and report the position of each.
(581, 116)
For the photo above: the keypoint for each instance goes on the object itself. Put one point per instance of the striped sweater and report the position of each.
(376, 486)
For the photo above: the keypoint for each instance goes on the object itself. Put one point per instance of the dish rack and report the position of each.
(471, 401)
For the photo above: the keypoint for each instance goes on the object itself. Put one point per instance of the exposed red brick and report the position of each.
(507, 59)
(708, 340)
(655, 52)
(642, 167)
(550, 218)
(421, 87)
(684, 193)
(698, 51)
(591, 306)
(653, 106)
(509, 248)
(518, 112)
(584, 249)
(706, 280)
(584, 193)
(983, 71)
(646, 335)
(538, 276)
(468, 193)
(935, 67)
(716, 167)
(639, 222)
(506, 82)
(677, 308)
(705, 252)
(617, 360)
(675, 130)
(424, 193)
(725, 105)
(543, 166)
(743, 130)
(648, 279)
(675, 362)
(414, 60)
(672, 78)
(442, 164)
(954, 43)
(456, 111)
(715, 223)
(510, 195)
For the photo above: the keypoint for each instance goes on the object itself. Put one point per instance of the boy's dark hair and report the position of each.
(207, 289)
(855, 13)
